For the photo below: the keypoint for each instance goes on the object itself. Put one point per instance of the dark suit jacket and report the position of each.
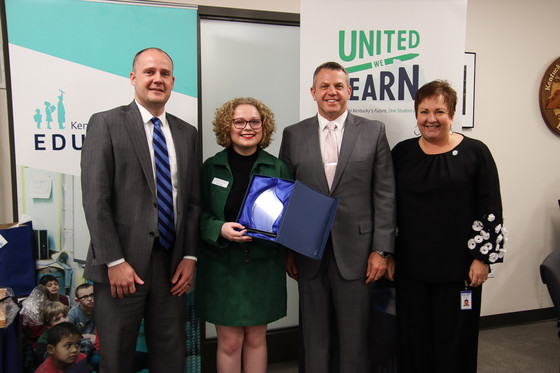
(119, 192)
(363, 181)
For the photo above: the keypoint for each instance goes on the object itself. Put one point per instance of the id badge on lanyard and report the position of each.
(466, 299)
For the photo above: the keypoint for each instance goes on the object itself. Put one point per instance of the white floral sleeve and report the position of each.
(489, 237)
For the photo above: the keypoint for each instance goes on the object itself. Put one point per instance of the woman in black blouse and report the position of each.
(449, 218)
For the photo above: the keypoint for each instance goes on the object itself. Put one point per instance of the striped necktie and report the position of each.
(166, 224)
(330, 156)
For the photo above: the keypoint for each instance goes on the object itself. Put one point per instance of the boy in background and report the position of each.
(53, 314)
(51, 283)
(64, 348)
(82, 316)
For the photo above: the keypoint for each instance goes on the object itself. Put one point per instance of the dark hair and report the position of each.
(47, 278)
(437, 88)
(149, 49)
(85, 285)
(59, 331)
(224, 116)
(330, 66)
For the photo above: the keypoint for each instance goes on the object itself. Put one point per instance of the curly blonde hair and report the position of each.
(224, 116)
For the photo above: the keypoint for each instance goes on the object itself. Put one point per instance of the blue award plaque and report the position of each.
(287, 213)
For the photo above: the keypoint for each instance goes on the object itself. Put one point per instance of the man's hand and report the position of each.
(123, 278)
(478, 273)
(291, 264)
(183, 277)
(390, 273)
(376, 267)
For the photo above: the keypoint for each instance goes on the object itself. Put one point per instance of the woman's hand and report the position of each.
(478, 273)
(234, 232)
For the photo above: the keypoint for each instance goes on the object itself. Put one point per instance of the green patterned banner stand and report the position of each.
(193, 364)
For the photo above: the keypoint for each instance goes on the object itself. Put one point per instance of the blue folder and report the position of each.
(17, 266)
(303, 225)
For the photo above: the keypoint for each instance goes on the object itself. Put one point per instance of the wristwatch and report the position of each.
(383, 254)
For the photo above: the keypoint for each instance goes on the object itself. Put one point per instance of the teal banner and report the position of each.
(104, 36)
(69, 59)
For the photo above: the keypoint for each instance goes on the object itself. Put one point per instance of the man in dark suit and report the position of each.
(141, 268)
(334, 292)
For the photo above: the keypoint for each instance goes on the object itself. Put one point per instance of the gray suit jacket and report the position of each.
(119, 193)
(363, 182)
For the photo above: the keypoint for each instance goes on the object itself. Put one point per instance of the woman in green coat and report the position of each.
(241, 285)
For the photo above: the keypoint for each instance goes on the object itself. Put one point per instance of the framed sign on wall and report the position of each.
(549, 96)
(468, 90)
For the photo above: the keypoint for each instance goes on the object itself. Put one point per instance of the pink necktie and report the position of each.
(330, 157)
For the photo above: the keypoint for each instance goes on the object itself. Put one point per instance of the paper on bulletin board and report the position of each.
(40, 187)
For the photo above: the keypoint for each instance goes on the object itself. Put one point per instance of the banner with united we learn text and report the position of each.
(390, 49)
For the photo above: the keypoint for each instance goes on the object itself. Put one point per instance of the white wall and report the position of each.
(514, 45)
(515, 42)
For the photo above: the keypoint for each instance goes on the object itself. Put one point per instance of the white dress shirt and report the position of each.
(338, 132)
(149, 128)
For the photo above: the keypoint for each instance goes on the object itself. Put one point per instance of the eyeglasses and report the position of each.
(242, 123)
(87, 296)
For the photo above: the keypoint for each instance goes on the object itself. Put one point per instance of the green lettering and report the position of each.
(413, 39)
(389, 34)
(341, 49)
(364, 42)
(401, 38)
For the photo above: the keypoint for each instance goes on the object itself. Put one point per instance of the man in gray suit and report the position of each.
(139, 271)
(334, 292)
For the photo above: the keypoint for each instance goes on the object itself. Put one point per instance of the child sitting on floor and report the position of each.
(51, 283)
(54, 313)
(64, 348)
(82, 316)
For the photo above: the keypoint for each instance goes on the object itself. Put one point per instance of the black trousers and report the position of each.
(433, 334)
